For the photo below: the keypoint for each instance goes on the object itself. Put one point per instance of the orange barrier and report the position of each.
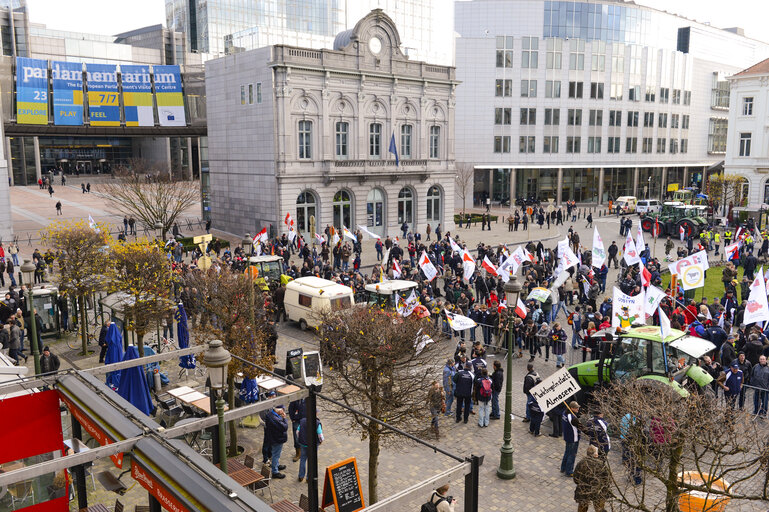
(699, 501)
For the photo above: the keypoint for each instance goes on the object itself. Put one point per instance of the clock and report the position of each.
(375, 45)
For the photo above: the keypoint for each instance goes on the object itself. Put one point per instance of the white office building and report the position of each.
(589, 101)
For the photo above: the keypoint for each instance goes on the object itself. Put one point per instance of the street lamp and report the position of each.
(248, 243)
(216, 359)
(506, 470)
(28, 272)
(159, 230)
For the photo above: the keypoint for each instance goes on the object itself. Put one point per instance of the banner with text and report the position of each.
(67, 78)
(168, 91)
(103, 101)
(555, 389)
(31, 91)
(137, 95)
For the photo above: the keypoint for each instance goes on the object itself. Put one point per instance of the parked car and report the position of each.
(626, 204)
(648, 206)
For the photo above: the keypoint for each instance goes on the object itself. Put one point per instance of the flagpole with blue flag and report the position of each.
(394, 149)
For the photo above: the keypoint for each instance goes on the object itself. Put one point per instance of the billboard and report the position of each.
(31, 91)
(67, 80)
(168, 91)
(103, 100)
(137, 95)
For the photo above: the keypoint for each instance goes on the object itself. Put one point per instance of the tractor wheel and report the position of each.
(688, 228)
(647, 224)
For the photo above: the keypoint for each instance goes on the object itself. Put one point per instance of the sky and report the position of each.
(90, 15)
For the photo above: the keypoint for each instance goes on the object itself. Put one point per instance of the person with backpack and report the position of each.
(497, 380)
(484, 389)
(440, 501)
(529, 381)
(463, 391)
(575, 320)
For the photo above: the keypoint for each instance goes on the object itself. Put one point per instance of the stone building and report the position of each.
(310, 132)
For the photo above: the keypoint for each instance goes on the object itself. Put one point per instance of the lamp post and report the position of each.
(159, 230)
(28, 271)
(506, 469)
(217, 358)
(248, 243)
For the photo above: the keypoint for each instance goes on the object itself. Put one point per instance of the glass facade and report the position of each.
(580, 185)
(649, 182)
(589, 21)
(617, 182)
(539, 183)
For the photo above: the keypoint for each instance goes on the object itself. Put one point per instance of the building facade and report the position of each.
(747, 146)
(588, 101)
(309, 132)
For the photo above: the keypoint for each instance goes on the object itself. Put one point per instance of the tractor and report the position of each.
(675, 215)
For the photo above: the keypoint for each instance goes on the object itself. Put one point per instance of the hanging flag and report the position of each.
(489, 266)
(394, 149)
(459, 322)
(629, 252)
(653, 298)
(599, 252)
(369, 233)
(396, 269)
(665, 329)
(261, 237)
(468, 263)
(346, 233)
(427, 267)
(520, 309)
(681, 233)
(756, 308)
(640, 244)
(319, 238)
(646, 276)
(92, 224)
(405, 307)
(454, 246)
(627, 310)
(732, 251)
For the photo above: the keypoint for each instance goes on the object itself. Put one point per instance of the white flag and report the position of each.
(92, 223)
(348, 234)
(630, 252)
(514, 261)
(291, 233)
(468, 263)
(599, 252)
(640, 245)
(454, 246)
(369, 233)
(427, 267)
(319, 238)
(459, 322)
(335, 239)
(664, 324)
(627, 310)
(756, 308)
(406, 306)
(653, 298)
(566, 257)
(396, 270)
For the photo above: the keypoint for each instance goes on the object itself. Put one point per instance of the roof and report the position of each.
(762, 68)
(391, 286)
(314, 282)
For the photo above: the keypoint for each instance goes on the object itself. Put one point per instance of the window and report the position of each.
(631, 145)
(502, 144)
(673, 146)
(435, 138)
(502, 115)
(504, 51)
(405, 206)
(651, 94)
(674, 120)
(687, 98)
(573, 144)
(305, 139)
(375, 140)
(552, 116)
(503, 88)
(662, 120)
(258, 92)
(596, 90)
(528, 88)
(618, 58)
(684, 145)
(745, 143)
(305, 300)
(575, 117)
(648, 119)
(434, 204)
(664, 94)
(717, 135)
(575, 89)
(660, 145)
(342, 132)
(747, 106)
(242, 94)
(632, 119)
(530, 55)
(528, 116)
(305, 209)
(594, 144)
(554, 53)
(406, 133)
(634, 93)
(550, 145)
(596, 118)
(526, 144)
(676, 96)
(342, 208)
(616, 88)
(613, 144)
(552, 89)
(599, 56)
(615, 118)
(647, 145)
(250, 94)
(375, 205)
(577, 54)
(685, 122)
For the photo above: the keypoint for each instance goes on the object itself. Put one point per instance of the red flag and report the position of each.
(520, 308)
(490, 268)
(656, 228)
(261, 236)
(646, 276)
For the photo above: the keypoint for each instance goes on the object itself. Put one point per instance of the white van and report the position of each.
(386, 293)
(626, 204)
(307, 297)
(648, 206)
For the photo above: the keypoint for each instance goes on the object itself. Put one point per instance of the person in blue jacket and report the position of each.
(301, 434)
(571, 434)
(276, 435)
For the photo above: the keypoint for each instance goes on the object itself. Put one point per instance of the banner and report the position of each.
(698, 258)
(427, 267)
(757, 309)
(103, 100)
(640, 244)
(653, 298)
(692, 277)
(168, 93)
(468, 265)
(554, 389)
(627, 310)
(405, 307)
(31, 91)
(599, 252)
(67, 78)
(137, 95)
(630, 253)
(459, 322)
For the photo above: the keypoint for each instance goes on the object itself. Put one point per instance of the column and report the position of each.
(8, 159)
(189, 158)
(663, 183)
(559, 189)
(600, 186)
(36, 143)
(635, 181)
(512, 187)
(686, 178)
(491, 187)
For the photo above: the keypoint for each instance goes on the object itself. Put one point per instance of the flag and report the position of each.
(454, 246)
(653, 298)
(681, 232)
(468, 263)
(721, 320)
(692, 277)
(405, 307)
(489, 266)
(646, 276)
(394, 149)
(299, 242)
(427, 267)
(346, 233)
(656, 228)
(288, 220)
(459, 322)
(291, 233)
(396, 269)
(92, 224)
(698, 258)
(756, 308)
(737, 235)
(369, 233)
(630, 252)
(261, 236)
(502, 305)
(335, 238)
(627, 310)
(520, 308)
(640, 244)
(665, 330)
(319, 238)
(599, 251)
(732, 251)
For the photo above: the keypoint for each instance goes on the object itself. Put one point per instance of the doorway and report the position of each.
(84, 167)
(375, 211)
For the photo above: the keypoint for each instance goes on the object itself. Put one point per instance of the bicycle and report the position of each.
(76, 342)
(165, 344)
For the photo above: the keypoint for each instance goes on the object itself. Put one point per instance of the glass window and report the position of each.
(552, 89)
(651, 94)
(573, 144)
(596, 118)
(305, 139)
(684, 145)
(342, 207)
(631, 145)
(242, 94)
(676, 97)
(528, 116)
(502, 144)
(648, 119)
(613, 144)
(530, 55)
(435, 137)
(717, 135)
(665, 95)
(594, 144)
(406, 131)
(615, 118)
(554, 53)
(305, 208)
(552, 116)
(662, 120)
(596, 90)
(660, 145)
(632, 119)
(375, 208)
(434, 204)
(405, 206)
(673, 146)
(503, 88)
(687, 97)
(685, 122)
(526, 144)
(575, 89)
(634, 93)
(528, 88)
(250, 94)
(504, 51)
(647, 145)
(342, 133)
(575, 117)
(258, 92)
(550, 144)
(674, 120)
(375, 140)
(747, 106)
(745, 143)
(502, 116)
(577, 54)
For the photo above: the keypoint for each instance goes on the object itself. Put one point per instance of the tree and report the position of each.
(82, 253)
(726, 190)
(464, 182)
(150, 194)
(142, 272)
(378, 371)
(667, 436)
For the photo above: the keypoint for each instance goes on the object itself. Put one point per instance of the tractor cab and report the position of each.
(676, 216)
(386, 293)
(266, 271)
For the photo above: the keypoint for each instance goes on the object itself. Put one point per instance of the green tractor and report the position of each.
(641, 353)
(675, 215)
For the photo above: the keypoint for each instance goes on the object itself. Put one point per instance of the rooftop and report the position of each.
(762, 68)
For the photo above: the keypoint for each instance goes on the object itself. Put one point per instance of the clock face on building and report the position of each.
(375, 45)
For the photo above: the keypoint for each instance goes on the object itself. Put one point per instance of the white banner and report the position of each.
(627, 310)
(692, 277)
(653, 298)
(630, 253)
(757, 309)
(640, 244)
(454, 246)
(555, 389)
(348, 234)
(599, 252)
(698, 258)
(369, 233)
(406, 306)
(459, 322)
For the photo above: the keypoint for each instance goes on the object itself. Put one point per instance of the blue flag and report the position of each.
(394, 149)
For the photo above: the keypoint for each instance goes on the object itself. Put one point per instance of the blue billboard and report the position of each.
(67, 80)
(169, 97)
(31, 91)
(103, 100)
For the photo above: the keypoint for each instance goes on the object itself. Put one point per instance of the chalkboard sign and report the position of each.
(341, 487)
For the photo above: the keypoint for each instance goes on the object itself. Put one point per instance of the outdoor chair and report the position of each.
(266, 482)
(118, 506)
(111, 482)
(304, 503)
(21, 492)
(249, 461)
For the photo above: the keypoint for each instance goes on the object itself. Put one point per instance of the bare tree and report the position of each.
(378, 370)
(150, 193)
(726, 190)
(464, 182)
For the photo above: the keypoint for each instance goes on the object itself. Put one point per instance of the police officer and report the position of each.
(727, 237)
(732, 384)
(717, 240)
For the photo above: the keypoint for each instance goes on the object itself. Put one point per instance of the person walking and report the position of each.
(296, 413)
(571, 433)
(50, 190)
(49, 362)
(463, 391)
(497, 380)
(592, 478)
(589, 220)
(275, 436)
(301, 436)
(58, 208)
(448, 384)
(103, 341)
(441, 499)
(760, 381)
(732, 384)
(13, 250)
(483, 392)
(598, 431)
(9, 268)
(436, 401)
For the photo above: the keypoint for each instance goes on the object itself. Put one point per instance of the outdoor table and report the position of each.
(96, 508)
(204, 404)
(177, 392)
(192, 396)
(286, 506)
(241, 473)
(270, 384)
(285, 390)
